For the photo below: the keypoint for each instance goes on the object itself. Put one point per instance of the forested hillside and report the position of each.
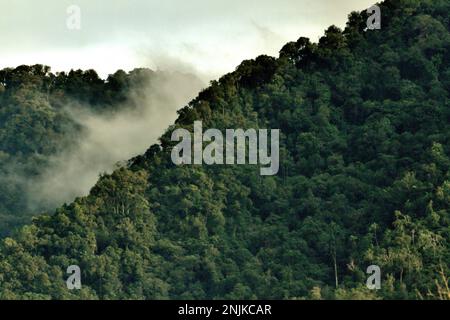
(38, 121)
(364, 180)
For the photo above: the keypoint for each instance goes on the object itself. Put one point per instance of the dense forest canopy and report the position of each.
(364, 179)
(42, 118)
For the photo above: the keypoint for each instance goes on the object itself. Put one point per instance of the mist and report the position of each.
(107, 139)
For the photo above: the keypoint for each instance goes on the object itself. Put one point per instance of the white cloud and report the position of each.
(211, 37)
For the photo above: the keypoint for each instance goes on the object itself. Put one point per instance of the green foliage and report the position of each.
(364, 180)
(35, 123)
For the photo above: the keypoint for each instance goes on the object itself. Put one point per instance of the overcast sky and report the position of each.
(207, 37)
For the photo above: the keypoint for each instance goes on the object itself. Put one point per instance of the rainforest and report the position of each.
(363, 180)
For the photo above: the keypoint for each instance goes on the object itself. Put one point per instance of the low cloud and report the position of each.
(107, 139)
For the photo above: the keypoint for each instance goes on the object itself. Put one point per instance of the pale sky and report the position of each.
(206, 37)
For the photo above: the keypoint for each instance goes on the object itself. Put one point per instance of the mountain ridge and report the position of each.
(364, 180)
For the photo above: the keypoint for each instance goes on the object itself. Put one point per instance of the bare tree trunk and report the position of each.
(335, 270)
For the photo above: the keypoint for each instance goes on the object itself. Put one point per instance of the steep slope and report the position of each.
(364, 180)
(50, 121)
